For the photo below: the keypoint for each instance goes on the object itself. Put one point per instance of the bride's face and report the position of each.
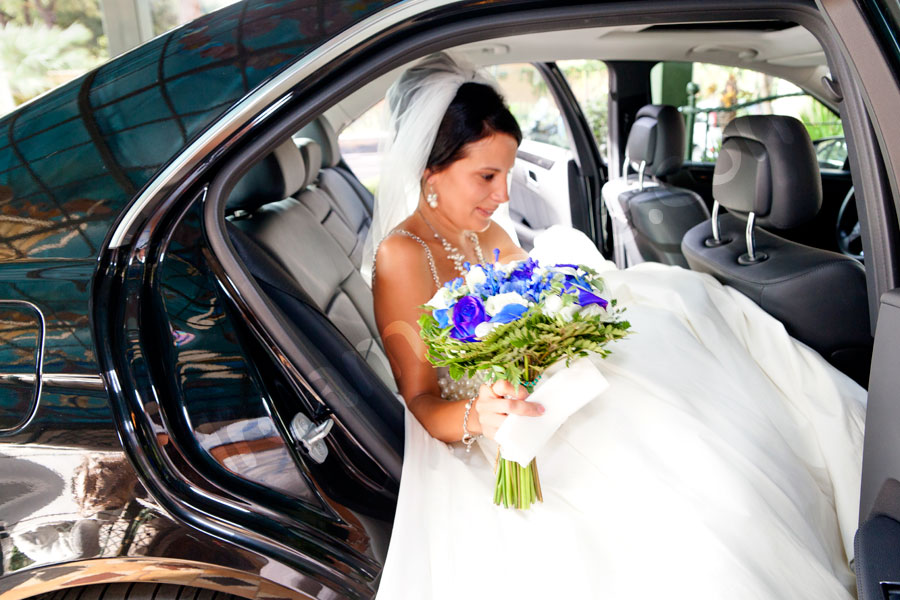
(471, 189)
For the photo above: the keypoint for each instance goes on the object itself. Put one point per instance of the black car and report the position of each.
(194, 397)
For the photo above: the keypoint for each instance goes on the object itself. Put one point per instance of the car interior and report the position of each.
(297, 219)
(304, 208)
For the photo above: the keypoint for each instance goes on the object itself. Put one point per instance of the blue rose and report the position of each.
(468, 312)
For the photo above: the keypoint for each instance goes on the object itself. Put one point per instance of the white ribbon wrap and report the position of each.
(562, 391)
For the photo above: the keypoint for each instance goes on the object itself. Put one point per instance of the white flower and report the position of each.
(495, 304)
(475, 275)
(567, 313)
(507, 268)
(552, 305)
(441, 299)
(482, 329)
(566, 270)
(592, 310)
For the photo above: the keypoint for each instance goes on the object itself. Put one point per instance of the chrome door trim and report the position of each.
(38, 368)
(256, 101)
(58, 380)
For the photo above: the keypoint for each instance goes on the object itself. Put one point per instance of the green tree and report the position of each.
(61, 13)
(820, 122)
(35, 57)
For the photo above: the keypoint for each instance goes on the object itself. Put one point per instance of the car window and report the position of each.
(524, 91)
(589, 82)
(710, 96)
(360, 142)
(532, 104)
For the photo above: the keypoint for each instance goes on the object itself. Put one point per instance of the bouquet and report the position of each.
(512, 322)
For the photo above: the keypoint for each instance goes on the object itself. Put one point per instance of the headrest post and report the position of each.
(625, 165)
(751, 243)
(641, 175)
(715, 223)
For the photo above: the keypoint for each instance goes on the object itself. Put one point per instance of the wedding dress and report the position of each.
(723, 461)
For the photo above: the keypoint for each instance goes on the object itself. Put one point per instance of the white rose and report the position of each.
(552, 305)
(482, 329)
(441, 299)
(495, 304)
(475, 275)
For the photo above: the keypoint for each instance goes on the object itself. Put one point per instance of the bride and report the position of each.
(723, 460)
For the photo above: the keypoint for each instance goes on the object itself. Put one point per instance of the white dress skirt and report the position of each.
(723, 461)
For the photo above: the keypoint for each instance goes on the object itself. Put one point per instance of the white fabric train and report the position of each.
(723, 461)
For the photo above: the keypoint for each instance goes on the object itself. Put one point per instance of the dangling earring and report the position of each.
(432, 199)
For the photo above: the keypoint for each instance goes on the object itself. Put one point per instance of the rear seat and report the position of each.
(325, 206)
(302, 234)
(353, 202)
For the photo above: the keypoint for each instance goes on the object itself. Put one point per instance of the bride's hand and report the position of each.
(497, 401)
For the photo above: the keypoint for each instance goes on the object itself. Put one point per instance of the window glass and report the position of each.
(360, 142)
(531, 103)
(715, 94)
(589, 81)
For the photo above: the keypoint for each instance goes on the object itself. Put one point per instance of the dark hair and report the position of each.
(476, 112)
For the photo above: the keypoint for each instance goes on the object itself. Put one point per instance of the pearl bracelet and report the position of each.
(468, 438)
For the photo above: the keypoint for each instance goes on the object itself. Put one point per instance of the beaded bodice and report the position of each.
(461, 389)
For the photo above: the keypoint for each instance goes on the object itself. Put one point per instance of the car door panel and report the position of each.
(878, 539)
(539, 195)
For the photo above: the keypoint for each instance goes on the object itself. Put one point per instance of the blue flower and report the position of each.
(443, 317)
(468, 312)
(525, 270)
(585, 297)
(509, 313)
(454, 284)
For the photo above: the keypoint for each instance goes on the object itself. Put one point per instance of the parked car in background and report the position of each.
(190, 403)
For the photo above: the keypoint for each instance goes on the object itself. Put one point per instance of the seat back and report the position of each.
(767, 175)
(344, 192)
(650, 217)
(295, 236)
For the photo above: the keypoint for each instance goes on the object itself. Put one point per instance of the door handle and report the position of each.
(38, 366)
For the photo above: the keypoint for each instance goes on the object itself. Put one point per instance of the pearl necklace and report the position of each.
(453, 253)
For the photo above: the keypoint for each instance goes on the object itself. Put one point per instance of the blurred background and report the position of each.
(45, 43)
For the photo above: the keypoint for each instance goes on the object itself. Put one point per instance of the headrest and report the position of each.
(657, 138)
(312, 158)
(321, 131)
(277, 176)
(767, 165)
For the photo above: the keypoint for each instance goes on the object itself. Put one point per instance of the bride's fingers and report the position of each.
(526, 409)
(505, 389)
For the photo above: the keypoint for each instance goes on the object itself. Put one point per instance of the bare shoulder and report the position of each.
(398, 253)
(496, 237)
(401, 259)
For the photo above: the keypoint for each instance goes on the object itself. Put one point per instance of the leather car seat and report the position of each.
(305, 247)
(346, 193)
(650, 217)
(766, 175)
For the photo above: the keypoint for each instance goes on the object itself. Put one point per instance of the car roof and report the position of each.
(777, 48)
